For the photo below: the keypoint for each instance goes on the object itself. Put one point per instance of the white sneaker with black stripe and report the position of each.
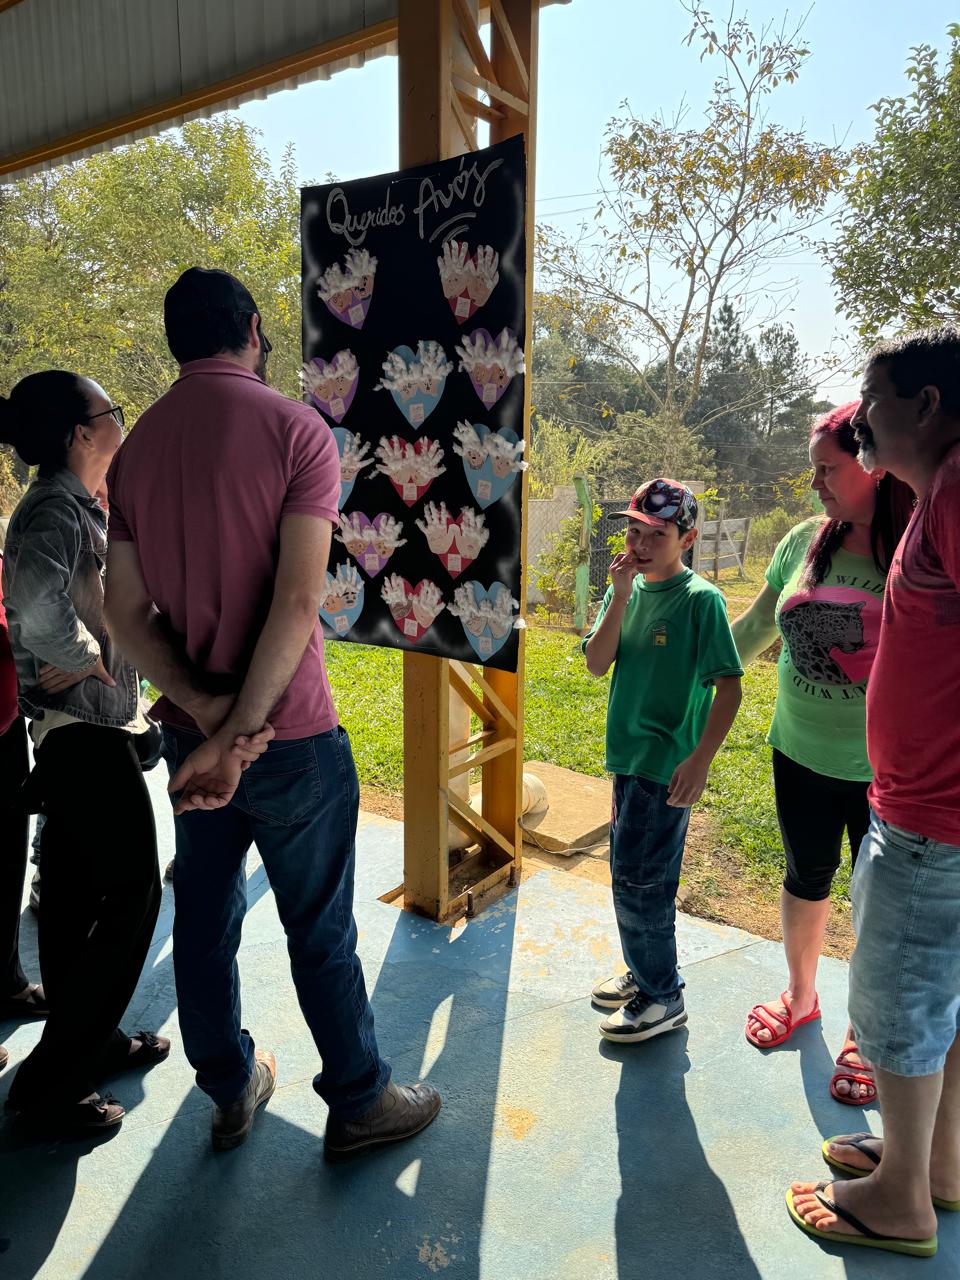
(615, 991)
(642, 1019)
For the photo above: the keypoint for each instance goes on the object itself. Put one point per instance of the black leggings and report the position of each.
(14, 830)
(98, 905)
(814, 811)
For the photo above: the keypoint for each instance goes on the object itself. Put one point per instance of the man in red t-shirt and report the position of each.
(222, 506)
(905, 972)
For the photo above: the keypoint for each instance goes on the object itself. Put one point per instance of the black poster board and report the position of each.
(414, 315)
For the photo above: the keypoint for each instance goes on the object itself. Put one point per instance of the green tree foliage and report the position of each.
(557, 453)
(895, 257)
(575, 380)
(88, 251)
(694, 213)
(639, 448)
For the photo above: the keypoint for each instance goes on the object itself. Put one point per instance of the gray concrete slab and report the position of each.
(556, 1157)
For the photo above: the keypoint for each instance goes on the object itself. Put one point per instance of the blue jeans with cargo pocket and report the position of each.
(298, 804)
(646, 852)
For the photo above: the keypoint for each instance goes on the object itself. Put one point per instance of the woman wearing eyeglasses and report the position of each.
(101, 886)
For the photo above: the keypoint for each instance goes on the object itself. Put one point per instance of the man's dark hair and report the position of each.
(924, 358)
(205, 313)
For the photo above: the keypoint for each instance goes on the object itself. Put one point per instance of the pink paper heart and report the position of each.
(411, 492)
(454, 561)
(407, 623)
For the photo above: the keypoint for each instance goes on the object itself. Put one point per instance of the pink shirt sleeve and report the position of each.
(314, 485)
(117, 526)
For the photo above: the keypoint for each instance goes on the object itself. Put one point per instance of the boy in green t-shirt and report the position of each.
(675, 693)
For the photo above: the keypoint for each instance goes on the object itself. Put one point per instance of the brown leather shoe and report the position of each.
(232, 1124)
(80, 1119)
(400, 1112)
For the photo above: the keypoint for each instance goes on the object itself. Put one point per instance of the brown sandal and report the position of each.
(78, 1120)
(32, 1005)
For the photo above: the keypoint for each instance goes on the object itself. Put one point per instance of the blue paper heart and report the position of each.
(341, 621)
(485, 486)
(486, 644)
(346, 486)
(419, 407)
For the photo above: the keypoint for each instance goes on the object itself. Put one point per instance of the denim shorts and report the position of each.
(905, 972)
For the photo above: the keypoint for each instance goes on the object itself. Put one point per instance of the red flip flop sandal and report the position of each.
(782, 1028)
(854, 1073)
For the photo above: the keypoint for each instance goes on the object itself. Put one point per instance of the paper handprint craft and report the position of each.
(342, 601)
(370, 542)
(457, 542)
(491, 364)
(410, 468)
(492, 460)
(467, 282)
(332, 386)
(346, 291)
(353, 459)
(413, 609)
(487, 615)
(416, 380)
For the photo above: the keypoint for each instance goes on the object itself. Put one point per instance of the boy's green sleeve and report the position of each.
(716, 652)
(599, 619)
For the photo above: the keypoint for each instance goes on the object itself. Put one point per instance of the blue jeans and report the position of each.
(646, 849)
(905, 971)
(298, 804)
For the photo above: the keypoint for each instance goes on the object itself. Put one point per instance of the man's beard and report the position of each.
(261, 369)
(867, 453)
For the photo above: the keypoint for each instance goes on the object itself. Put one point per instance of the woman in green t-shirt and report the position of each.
(824, 596)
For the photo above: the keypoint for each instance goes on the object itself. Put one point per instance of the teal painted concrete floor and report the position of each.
(556, 1156)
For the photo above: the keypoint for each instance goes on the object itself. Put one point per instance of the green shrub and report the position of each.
(767, 530)
(557, 567)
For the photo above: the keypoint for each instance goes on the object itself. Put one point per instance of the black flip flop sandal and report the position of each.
(871, 1239)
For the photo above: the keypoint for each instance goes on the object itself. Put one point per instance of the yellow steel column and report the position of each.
(442, 65)
(513, 51)
(428, 131)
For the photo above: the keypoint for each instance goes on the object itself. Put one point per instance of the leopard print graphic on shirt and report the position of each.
(812, 628)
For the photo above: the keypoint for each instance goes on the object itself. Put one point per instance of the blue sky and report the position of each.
(596, 53)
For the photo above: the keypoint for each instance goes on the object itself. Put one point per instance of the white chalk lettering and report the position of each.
(439, 201)
(354, 227)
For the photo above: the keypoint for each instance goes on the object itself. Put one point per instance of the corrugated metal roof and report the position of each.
(68, 68)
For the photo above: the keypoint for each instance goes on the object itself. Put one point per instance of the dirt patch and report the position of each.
(715, 885)
(383, 803)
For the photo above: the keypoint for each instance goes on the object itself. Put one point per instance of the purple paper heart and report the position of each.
(491, 363)
(354, 311)
(338, 384)
(368, 556)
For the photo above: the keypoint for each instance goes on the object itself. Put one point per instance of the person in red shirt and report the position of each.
(223, 502)
(905, 972)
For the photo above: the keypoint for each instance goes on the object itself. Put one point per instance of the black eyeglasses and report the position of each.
(264, 340)
(115, 412)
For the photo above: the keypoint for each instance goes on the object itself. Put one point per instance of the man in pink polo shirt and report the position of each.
(222, 506)
(905, 972)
